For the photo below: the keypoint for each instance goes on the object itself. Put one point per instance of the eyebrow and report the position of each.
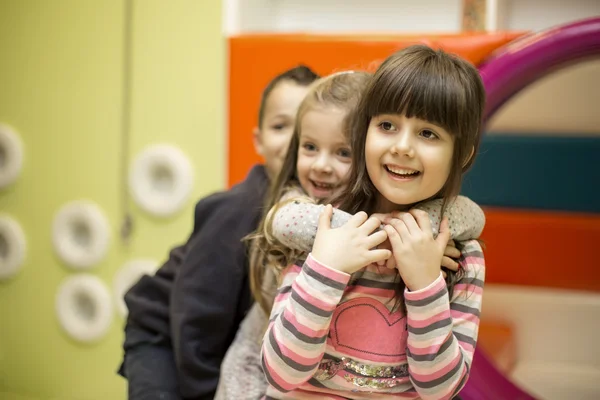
(304, 136)
(280, 116)
(424, 124)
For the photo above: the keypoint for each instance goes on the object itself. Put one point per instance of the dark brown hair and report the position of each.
(428, 84)
(431, 85)
(301, 75)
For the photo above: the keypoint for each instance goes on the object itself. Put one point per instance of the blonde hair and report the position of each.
(342, 91)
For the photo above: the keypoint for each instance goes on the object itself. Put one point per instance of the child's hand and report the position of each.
(418, 255)
(390, 262)
(448, 262)
(450, 254)
(351, 246)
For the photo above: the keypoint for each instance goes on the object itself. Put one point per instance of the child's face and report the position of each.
(324, 156)
(408, 159)
(273, 137)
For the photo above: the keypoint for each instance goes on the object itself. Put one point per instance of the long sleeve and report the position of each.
(148, 300)
(465, 218)
(210, 294)
(442, 332)
(204, 306)
(296, 338)
(295, 223)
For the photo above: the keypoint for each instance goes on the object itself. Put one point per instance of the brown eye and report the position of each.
(427, 134)
(309, 147)
(386, 126)
(346, 153)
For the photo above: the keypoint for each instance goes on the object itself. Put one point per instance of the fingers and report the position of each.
(325, 218)
(444, 235)
(450, 264)
(380, 217)
(451, 243)
(400, 227)
(391, 263)
(393, 236)
(370, 225)
(357, 219)
(376, 239)
(411, 223)
(422, 219)
(374, 256)
(452, 252)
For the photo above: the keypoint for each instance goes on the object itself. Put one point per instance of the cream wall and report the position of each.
(565, 101)
(61, 88)
(397, 16)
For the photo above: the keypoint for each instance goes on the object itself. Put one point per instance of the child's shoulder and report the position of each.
(472, 245)
(294, 193)
(471, 258)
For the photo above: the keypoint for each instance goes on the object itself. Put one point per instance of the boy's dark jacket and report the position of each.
(199, 297)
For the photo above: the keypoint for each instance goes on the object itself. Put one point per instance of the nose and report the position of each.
(322, 164)
(404, 145)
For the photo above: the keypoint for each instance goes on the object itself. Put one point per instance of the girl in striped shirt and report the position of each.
(342, 326)
(242, 377)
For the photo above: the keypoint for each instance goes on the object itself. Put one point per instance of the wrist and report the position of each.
(324, 264)
(423, 282)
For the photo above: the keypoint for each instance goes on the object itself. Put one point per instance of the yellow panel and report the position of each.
(61, 85)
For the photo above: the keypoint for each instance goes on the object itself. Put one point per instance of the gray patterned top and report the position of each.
(295, 223)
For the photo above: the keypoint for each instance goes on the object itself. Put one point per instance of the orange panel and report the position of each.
(547, 249)
(498, 342)
(256, 59)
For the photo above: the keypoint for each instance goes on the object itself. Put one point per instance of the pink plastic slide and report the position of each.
(487, 382)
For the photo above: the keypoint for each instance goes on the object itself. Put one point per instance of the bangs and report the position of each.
(427, 87)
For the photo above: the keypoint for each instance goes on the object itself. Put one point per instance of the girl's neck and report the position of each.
(385, 206)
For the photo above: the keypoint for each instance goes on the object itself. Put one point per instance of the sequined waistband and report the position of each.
(328, 368)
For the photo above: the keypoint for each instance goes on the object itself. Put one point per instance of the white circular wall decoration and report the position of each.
(11, 156)
(12, 247)
(127, 276)
(161, 180)
(80, 234)
(83, 307)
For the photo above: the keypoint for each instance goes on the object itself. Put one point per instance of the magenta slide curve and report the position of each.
(508, 71)
(486, 382)
(523, 61)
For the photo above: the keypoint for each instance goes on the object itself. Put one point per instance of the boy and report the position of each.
(182, 320)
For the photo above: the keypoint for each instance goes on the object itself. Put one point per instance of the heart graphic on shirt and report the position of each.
(365, 328)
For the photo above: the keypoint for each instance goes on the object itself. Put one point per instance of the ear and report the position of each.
(256, 139)
(464, 164)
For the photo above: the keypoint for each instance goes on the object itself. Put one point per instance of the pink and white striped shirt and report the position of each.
(337, 336)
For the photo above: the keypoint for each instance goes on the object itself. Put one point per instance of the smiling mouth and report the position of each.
(322, 185)
(403, 173)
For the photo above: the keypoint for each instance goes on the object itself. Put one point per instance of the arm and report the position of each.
(207, 295)
(465, 217)
(296, 338)
(442, 333)
(295, 223)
